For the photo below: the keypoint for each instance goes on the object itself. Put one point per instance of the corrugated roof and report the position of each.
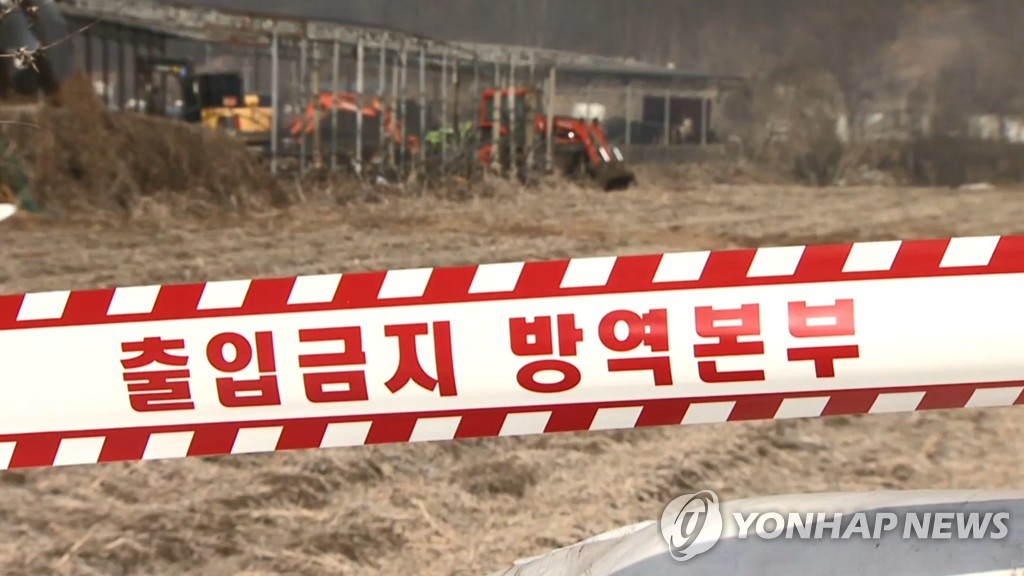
(217, 25)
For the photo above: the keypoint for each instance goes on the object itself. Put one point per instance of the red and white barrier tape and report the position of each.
(437, 354)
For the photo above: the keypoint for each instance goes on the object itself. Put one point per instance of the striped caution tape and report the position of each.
(509, 349)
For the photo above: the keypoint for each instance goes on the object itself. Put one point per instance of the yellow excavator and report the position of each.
(213, 99)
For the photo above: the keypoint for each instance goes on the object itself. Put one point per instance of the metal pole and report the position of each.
(496, 132)
(382, 80)
(444, 108)
(314, 90)
(475, 90)
(423, 106)
(512, 99)
(704, 121)
(549, 125)
(404, 116)
(456, 101)
(122, 79)
(530, 124)
(629, 112)
(106, 72)
(360, 76)
(667, 122)
(335, 64)
(275, 99)
(257, 77)
(88, 53)
(303, 49)
(392, 108)
(497, 73)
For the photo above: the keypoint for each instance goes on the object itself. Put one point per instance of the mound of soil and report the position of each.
(78, 157)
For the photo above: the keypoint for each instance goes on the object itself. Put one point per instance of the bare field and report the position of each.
(470, 507)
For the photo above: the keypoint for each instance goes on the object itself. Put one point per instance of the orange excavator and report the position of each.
(318, 112)
(580, 146)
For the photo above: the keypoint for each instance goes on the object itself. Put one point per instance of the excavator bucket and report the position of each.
(613, 177)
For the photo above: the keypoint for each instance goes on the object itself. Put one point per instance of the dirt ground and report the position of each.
(470, 507)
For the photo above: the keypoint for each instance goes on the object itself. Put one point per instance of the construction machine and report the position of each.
(213, 99)
(374, 111)
(580, 147)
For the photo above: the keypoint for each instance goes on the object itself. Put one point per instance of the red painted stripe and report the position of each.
(392, 428)
(827, 261)
(9, 307)
(302, 435)
(87, 306)
(851, 402)
(35, 450)
(728, 268)
(663, 413)
(539, 279)
(632, 271)
(945, 398)
(481, 424)
(177, 301)
(39, 450)
(447, 284)
(756, 408)
(356, 290)
(124, 445)
(919, 257)
(213, 439)
(267, 296)
(571, 418)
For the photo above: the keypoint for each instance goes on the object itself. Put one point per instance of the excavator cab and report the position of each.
(214, 99)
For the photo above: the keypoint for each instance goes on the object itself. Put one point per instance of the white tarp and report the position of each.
(7, 210)
(640, 550)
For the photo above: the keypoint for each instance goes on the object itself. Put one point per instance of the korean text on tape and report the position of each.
(508, 349)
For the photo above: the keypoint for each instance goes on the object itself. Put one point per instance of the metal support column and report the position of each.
(549, 141)
(360, 88)
(512, 133)
(275, 99)
(122, 65)
(314, 91)
(402, 106)
(444, 108)
(423, 106)
(392, 110)
(335, 88)
(496, 133)
(303, 53)
(588, 95)
(456, 101)
(88, 53)
(106, 70)
(704, 120)
(382, 81)
(667, 120)
(629, 112)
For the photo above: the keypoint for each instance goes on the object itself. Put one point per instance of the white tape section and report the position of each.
(906, 333)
